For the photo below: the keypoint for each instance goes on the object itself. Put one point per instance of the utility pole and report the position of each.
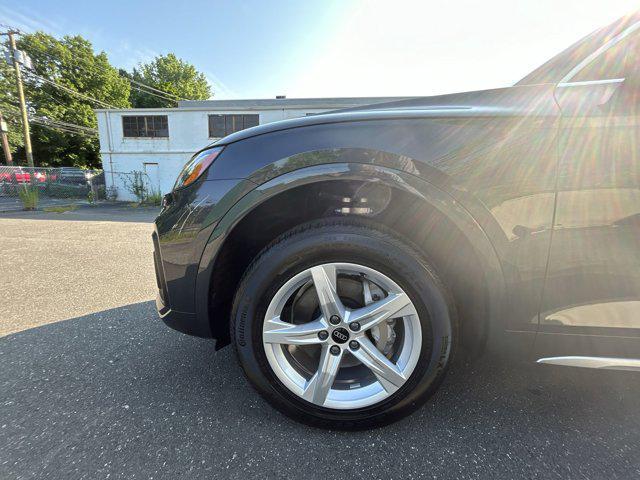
(5, 141)
(23, 107)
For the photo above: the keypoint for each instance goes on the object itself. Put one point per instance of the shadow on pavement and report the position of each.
(118, 394)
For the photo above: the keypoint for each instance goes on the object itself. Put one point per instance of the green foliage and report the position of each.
(171, 75)
(29, 196)
(136, 184)
(154, 197)
(72, 62)
(61, 209)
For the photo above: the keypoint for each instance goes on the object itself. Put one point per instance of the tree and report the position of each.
(72, 63)
(9, 108)
(172, 76)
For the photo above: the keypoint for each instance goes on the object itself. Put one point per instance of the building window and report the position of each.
(145, 126)
(221, 125)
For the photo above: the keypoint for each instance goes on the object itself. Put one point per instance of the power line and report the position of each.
(10, 106)
(154, 89)
(13, 111)
(75, 126)
(54, 126)
(153, 94)
(63, 129)
(69, 90)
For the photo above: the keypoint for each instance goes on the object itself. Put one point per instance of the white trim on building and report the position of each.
(186, 130)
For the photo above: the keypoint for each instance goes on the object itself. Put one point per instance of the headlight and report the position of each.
(196, 167)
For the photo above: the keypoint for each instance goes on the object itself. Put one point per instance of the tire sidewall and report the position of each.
(347, 245)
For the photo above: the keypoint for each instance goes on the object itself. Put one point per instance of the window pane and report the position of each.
(163, 126)
(251, 120)
(143, 126)
(156, 125)
(617, 62)
(216, 126)
(234, 123)
(129, 126)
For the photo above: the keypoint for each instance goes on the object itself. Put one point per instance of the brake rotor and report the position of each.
(384, 335)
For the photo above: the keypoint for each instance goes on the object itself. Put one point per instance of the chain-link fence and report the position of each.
(30, 188)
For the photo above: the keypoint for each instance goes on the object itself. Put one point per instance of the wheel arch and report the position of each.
(319, 191)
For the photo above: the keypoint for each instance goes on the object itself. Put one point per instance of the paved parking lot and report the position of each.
(93, 386)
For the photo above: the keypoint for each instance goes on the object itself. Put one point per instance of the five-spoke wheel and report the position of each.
(344, 338)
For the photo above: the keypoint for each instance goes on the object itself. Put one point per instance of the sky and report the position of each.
(329, 48)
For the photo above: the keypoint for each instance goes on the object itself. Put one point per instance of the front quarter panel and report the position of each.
(420, 189)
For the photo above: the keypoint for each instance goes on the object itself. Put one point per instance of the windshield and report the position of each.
(555, 69)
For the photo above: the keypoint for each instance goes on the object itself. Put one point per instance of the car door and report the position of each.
(591, 299)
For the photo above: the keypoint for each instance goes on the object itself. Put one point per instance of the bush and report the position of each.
(154, 198)
(29, 196)
(136, 184)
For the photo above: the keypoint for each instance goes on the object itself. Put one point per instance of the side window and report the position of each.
(619, 61)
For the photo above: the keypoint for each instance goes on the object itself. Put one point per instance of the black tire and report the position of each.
(341, 240)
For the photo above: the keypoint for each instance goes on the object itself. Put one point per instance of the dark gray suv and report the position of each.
(348, 256)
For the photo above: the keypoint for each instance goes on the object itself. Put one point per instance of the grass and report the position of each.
(61, 208)
(154, 198)
(29, 196)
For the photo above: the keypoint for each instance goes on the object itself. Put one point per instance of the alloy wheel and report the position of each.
(342, 335)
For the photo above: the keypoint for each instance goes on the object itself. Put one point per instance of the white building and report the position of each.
(159, 141)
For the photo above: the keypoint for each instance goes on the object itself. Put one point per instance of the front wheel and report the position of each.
(342, 325)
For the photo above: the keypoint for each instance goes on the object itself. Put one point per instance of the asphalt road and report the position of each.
(113, 393)
(57, 266)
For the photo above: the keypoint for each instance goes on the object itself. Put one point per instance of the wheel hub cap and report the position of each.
(340, 335)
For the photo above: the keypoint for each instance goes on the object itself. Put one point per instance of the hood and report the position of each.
(509, 101)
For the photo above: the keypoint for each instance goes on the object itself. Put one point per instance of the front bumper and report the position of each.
(183, 230)
(181, 321)
(184, 322)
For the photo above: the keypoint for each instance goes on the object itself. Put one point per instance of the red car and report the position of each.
(18, 175)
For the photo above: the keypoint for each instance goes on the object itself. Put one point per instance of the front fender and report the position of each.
(419, 188)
